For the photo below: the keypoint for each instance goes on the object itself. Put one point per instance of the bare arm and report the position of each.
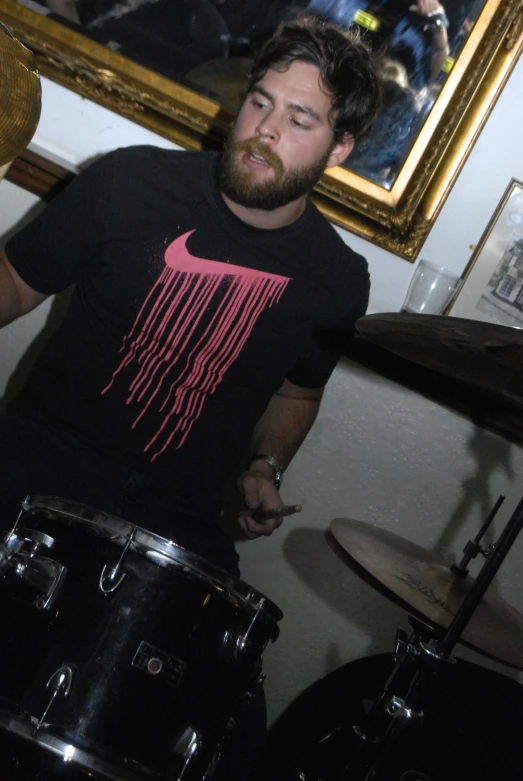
(440, 52)
(16, 297)
(440, 49)
(279, 433)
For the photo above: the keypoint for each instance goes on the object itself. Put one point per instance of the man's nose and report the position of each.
(268, 127)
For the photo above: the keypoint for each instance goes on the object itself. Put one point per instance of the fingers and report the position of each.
(259, 491)
(253, 529)
(260, 495)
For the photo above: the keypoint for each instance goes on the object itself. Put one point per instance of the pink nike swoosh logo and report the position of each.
(189, 331)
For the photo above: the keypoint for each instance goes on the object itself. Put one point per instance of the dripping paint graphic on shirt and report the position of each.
(179, 351)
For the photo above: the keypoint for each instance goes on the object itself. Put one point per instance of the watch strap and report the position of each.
(276, 466)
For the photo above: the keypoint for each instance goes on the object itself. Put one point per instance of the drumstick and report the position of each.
(280, 512)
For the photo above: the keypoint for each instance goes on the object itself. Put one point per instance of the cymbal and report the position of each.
(20, 96)
(486, 355)
(425, 586)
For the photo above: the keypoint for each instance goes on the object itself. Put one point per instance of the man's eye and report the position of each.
(258, 104)
(297, 123)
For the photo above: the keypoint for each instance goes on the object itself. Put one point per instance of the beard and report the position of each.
(286, 186)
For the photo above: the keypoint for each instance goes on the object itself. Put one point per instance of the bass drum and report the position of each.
(471, 729)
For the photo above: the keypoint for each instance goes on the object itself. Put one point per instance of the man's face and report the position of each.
(282, 140)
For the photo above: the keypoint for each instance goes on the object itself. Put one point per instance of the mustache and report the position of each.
(264, 150)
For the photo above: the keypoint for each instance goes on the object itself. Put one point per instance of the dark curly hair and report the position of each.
(345, 63)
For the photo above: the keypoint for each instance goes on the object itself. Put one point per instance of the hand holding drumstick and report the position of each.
(264, 511)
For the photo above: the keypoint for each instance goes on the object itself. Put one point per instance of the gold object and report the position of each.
(20, 96)
(426, 587)
(399, 219)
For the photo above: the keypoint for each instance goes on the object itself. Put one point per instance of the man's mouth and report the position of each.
(258, 158)
(260, 154)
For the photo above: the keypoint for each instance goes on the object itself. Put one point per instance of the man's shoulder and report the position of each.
(337, 256)
(154, 158)
(135, 174)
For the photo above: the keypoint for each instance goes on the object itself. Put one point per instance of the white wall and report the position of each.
(378, 453)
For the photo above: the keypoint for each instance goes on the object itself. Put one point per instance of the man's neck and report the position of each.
(268, 220)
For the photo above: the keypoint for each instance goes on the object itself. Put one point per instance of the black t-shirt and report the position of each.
(184, 320)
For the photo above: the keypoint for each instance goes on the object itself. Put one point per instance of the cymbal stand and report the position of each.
(422, 660)
(473, 547)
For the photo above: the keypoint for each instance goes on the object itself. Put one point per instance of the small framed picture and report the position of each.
(492, 288)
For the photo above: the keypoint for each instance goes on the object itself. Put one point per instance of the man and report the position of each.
(211, 304)
(212, 300)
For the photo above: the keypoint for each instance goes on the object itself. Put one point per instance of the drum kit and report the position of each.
(125, 656)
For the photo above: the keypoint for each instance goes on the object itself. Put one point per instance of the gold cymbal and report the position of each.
(426, 587)
(20, 96)
(486, 355)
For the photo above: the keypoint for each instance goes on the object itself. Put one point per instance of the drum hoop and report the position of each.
(24, 728)
(160, 550)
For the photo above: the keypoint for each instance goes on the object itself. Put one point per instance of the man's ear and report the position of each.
(341, 151)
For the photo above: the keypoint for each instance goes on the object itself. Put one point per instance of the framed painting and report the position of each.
(492, 289)
(179, 67)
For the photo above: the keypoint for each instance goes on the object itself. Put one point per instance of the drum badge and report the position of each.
(154, 661)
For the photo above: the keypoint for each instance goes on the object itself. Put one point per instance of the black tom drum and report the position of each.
(122, 653)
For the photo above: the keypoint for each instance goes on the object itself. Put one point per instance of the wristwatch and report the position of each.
(278, 469)
(435, 21)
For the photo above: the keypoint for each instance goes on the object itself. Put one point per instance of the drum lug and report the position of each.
(188, 745)
(112, 577)
(235, 645)
(60, 681)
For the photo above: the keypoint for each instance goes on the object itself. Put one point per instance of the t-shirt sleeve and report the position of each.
(53, 251)
(331, 338)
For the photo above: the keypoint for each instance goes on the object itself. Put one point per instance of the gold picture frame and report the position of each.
(398, 219)
(492, 287)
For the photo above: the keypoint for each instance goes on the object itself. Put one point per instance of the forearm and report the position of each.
(285, 423)
(16, 298)
(440, 52)
(434, 24)
(279, 433)
(10, 300)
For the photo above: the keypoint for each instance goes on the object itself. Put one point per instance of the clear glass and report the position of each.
(430, 290)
